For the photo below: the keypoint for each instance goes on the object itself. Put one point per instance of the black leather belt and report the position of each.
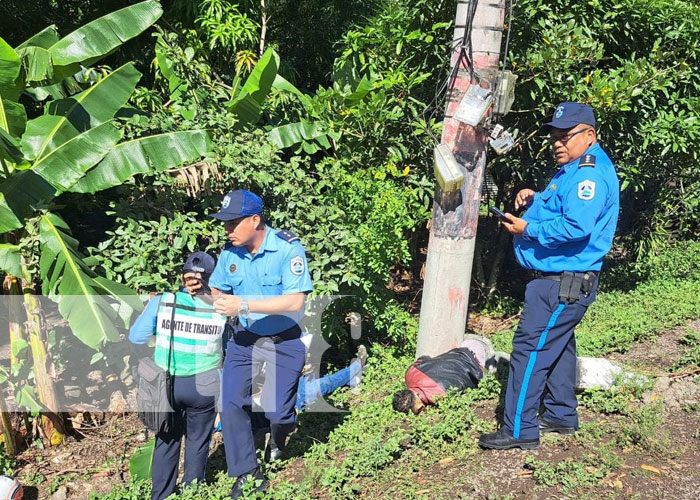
(247, 338)
(536, 275)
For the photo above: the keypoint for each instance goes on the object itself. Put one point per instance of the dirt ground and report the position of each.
(97, 461)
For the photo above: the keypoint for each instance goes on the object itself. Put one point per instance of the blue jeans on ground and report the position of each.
(310, 390)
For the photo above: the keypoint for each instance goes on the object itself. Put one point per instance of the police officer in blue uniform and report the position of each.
(262, 277)
(562, 239)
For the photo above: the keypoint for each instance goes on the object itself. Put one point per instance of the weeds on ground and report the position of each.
(573, 474)
(616, 399)
(664, 296)
(641, 429)
(690, 359)
(8, 465)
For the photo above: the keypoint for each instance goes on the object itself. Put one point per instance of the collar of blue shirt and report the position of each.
(592, 150)
(270, 244)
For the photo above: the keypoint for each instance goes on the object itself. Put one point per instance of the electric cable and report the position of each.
(464, 46)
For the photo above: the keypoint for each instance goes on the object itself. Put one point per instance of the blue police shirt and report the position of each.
(571, 224)
(278, 268)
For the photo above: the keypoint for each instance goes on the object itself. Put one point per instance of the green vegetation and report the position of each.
(320, 107)
(664, 297)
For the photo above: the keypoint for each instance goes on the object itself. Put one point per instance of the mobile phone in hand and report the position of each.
(501, 216)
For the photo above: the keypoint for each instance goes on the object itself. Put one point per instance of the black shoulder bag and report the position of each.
(155, 393)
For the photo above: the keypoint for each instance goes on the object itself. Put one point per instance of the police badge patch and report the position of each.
(296, 265)
(559, 112)
(586, 190)
(226, 202)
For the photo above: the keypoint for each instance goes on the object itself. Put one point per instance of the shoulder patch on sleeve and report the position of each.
(296, 265)
(287, 236)
(586, 190)
(587, 161)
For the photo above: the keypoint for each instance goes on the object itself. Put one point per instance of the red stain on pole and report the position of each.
(456, 298)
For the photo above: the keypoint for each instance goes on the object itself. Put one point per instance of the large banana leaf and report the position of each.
(144, 155)
(13, 117)
(311, 135)
(99, 37)
(35, 56)
(10, 259)
(20, 195)
(67, 164)
(66, 118)
(247, 104)
(9, 71)
(9, 147)
(81, 299)
(53, 173)
(44, 39)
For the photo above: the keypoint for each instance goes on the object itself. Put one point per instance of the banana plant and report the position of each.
(308, 135)
(76, 145)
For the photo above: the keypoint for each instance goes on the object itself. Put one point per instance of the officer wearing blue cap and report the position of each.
(188, 335)
(262, 277)
(562, 239)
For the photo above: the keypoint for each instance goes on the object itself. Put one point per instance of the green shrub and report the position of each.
(148, 254)
(692, 357)
(572, 474)
(8, 464)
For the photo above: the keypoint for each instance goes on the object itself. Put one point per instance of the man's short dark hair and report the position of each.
(403, 401)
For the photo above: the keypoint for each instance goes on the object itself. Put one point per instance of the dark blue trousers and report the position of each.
(245, 355)
(194, 418)
(543, 358)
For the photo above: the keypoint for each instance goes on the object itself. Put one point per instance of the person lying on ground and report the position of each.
(460, 368)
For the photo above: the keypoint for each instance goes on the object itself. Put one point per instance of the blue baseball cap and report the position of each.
(199, 262)
(568, 115)
(237, 204)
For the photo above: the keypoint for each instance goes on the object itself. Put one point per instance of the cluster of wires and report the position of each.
(465, 59)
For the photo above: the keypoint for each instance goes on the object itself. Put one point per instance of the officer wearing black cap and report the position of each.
(194, 330)
(262, 277)
(562, 239)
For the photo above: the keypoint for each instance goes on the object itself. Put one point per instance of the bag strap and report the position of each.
(168, 374)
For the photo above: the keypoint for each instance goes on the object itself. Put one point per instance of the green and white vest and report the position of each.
(197, 335)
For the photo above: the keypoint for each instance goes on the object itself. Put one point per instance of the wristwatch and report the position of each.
(243, 309)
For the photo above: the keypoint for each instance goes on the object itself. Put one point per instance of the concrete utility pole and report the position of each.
(443, 312)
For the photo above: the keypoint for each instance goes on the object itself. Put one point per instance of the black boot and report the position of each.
(240, 485)
(549, 426)
(501, 440)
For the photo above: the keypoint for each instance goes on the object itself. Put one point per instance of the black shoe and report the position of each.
(549, 426)
(239, 486)
(501, 440)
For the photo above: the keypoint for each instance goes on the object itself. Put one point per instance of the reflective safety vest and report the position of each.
(197, 331)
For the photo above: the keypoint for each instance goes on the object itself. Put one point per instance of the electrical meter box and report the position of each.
(505, 93)
(447, 171)
(474, 104)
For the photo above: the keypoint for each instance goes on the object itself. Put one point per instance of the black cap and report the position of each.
(568, 115)
(237, 204)
(199, 262)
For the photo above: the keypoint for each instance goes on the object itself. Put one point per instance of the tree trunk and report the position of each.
(15, 313)
(52, 422)
(7, 432)
(501, 248)
(12, 290)
(263, 29)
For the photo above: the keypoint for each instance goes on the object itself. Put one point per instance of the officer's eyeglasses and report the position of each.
(567, 137)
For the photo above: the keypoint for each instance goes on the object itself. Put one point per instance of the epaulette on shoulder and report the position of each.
(587, 161)
(287, 236)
